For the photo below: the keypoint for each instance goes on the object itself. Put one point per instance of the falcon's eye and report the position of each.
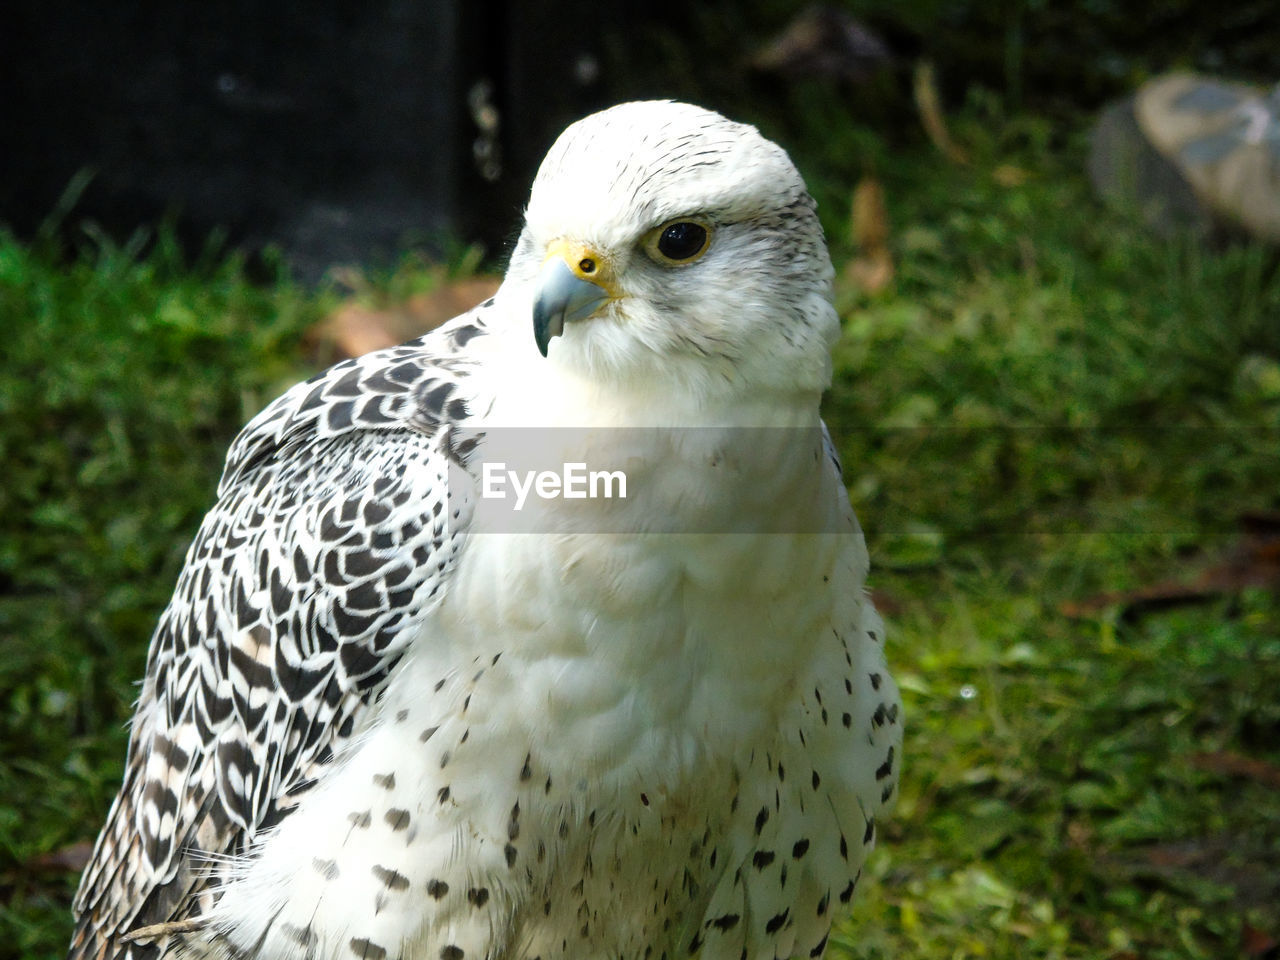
(680, 241)
(683, 240)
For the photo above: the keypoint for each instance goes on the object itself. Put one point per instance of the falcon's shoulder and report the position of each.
(330, 540)
(414, 385)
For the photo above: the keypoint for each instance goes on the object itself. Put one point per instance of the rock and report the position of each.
(1193, 153)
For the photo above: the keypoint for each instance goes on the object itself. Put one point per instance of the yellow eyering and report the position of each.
(651, 239)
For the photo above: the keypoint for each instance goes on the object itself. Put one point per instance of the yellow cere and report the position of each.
(585, 262)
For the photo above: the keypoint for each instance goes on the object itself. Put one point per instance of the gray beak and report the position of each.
(562, 298)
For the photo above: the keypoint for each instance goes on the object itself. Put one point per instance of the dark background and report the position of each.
(343, 131)
(338, 130)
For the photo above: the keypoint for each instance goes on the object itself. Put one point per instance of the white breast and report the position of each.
(592, 723)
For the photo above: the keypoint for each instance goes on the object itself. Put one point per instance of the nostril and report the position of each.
(587, 265)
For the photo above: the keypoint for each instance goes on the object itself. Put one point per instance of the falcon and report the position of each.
(389, 714)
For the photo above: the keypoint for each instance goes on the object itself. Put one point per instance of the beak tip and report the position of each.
(547, 325)
(562, 297)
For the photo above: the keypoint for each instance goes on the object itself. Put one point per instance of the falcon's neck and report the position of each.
(610, 382)
(540, 392)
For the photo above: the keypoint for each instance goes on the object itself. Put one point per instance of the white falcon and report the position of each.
(379, 723)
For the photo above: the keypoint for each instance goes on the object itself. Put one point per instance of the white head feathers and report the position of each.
(752, 313)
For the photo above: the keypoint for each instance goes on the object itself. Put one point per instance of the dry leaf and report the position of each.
(872, 269)
(870, 216)
(871, 273)
(1079, 834)
(1237, 765)
(929, 104)
(1228, 860)
(1254, 562)
(427, 311)
(1258, 943)
(886, 603)
(72, 858)
(1009, 175)
(824, 41)
(355, 329)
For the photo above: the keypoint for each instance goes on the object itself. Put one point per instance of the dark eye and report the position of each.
(682, 240)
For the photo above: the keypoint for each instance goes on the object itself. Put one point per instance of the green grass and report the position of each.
(1049, 404)
(124, 377)
(1045, 404)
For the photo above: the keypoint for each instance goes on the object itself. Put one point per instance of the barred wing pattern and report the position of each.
(330, 538)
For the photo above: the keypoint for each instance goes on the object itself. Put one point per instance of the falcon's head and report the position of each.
(664, 242)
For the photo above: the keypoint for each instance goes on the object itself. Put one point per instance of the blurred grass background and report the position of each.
(1045, 405)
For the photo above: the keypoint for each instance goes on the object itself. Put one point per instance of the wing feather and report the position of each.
(329, 541)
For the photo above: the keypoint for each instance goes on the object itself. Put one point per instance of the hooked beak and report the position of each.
(567, 290)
